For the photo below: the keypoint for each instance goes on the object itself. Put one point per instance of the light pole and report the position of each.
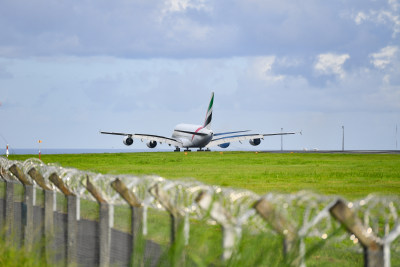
(343, 138)
(281, 139)
(40, 153)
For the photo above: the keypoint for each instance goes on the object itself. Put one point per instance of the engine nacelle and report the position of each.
(225, 145)
(152, 144)
(255, 142)
(128, 141)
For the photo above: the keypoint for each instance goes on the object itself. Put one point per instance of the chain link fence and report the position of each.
(300, 220)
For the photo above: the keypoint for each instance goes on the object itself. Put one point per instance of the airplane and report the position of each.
(196, 136)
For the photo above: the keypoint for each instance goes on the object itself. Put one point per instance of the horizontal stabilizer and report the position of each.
(189, 132)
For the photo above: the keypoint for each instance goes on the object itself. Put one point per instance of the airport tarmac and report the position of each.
(336, 151)
(85, 151)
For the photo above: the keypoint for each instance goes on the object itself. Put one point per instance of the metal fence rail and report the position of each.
(372, 222)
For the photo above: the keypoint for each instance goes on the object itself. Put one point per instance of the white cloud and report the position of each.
(262, 68)
(394, 4)
(180, 28)
(331, 64)
(360, 17)
(258, 56)
(384, 16)
(263, 65)
(103, 93)
(384, 56)
(181, 6)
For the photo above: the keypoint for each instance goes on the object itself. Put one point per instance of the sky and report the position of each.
(71, 68)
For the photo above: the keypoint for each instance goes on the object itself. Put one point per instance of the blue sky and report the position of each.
(71, 68)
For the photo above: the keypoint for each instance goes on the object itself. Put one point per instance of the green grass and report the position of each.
(14, 256)
(350, 175)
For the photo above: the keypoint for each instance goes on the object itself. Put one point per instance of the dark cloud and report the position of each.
(143, 29)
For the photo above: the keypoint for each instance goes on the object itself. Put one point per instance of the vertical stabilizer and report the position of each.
(207, 122)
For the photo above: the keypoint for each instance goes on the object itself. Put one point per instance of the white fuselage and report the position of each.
(184, 133)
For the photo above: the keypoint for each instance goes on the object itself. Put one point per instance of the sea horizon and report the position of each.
(48, 151)
(52, 151)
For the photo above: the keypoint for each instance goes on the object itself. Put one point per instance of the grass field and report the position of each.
(349, 175)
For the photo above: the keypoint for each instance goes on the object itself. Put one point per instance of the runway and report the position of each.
(335, 151)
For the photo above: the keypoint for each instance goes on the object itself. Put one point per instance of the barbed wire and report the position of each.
(306, 211)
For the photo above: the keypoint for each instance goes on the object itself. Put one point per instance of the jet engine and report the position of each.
(152, 144)
(255, 142)
(225, 145)
(128, 141)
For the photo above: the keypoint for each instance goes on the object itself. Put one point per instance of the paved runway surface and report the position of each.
(336, 151)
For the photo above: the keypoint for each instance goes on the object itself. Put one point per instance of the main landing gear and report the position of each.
(177, 149)
(205, 150)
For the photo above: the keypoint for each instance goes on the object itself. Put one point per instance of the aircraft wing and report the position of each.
(226, 133)
(238, 138)
(229, 139)
(150, 137)
(279, 134)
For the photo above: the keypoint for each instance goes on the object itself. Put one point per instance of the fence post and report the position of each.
(9, 214)
(20, 175)
(104, 224)
(279, 223)
(176, 219)
(9, 210)
(28, 217)
(38, 178)
(372, 245)
(72, 224)
(48, 213)
(230, 236)
(72, 230)
(136, 221)
(4, 180)
(175, 215)
(9, 204)
(27, 206)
